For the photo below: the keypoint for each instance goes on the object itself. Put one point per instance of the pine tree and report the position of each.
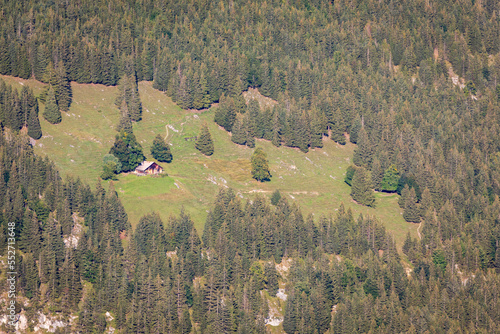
(204, 143)
(161, 150)
(34, 128)
(363, 153)
(51, 112)
(404, 195)
(238, 135)
(338, 128)
(411, 210)
(361, 190)
(127, 150)
(260, 166)
(128, 92)
(64, 93)
(318, 127)
(377, 175)
(275, 197)
(125, 124)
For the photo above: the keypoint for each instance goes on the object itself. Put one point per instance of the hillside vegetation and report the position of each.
(313, 180)
(403, 97)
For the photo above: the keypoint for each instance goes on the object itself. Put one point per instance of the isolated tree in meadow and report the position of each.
(204, 143)
(260, 166)
(127, 150)
(161, 150)
(52, 113)
(361, 190)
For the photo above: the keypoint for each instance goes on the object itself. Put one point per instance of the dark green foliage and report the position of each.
(34, 128)
(127, 150)
(260, 165)
(225, 114)
(161, 150)
(411, 212)
(410, 181)
(390, 180)
(275, 197)
(340, 58)
(129, 93)
(361, 190)
(125, 123)
(204, 142)
(349, 174)
(438, 258)
(363, 153)
(51, 112)
(150, 234)
(377, 175)
(355, 128)
(338, 128)
(239, 135)
(57, 78)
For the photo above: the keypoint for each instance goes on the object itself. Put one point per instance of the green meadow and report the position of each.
(314, 180)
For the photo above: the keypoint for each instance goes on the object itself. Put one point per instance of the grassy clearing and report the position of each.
(313, 180)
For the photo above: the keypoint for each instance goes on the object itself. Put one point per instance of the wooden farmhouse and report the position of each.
(148, 168)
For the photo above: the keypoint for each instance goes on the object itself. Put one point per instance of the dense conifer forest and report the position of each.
(414, 84)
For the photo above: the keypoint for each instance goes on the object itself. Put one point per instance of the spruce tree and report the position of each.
(260, 166)
(404, 195)
(64, 93)
(204, 143)
(361, 190)
(51, 112)
(161, 150)
(411, 211)
(238, 134)
(125, 124)
(275, 197)
(34, 128)
(377, 175)
(127, 150)
(363, 153)
(128, 93)
(338, 128)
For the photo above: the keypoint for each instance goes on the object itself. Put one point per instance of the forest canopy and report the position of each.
(414, 84)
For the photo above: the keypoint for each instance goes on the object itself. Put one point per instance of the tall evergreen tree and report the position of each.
(34, 128)
(260, 166)
(204, 143)
(127, 150)
(161, 150)
(51, 112)
(361, 190)
(238, 134)
(64, 93)
(411, 211)
(363, 153)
